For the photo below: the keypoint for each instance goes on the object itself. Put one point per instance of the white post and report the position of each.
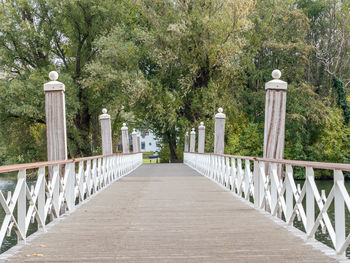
(21, 204)
(106, 133)
(125, 138)
(138, 143)
(201, 137)
(339, 211)
(55, 111)
(186, 142)
(256, 184)
(219, 132)
(310, 200)
(193, 141)
(275, 115)
(134, 141)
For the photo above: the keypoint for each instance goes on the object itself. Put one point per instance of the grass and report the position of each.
(149, 161)
(146, 154)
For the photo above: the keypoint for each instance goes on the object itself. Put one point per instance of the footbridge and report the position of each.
(213, 207)
(210, 209)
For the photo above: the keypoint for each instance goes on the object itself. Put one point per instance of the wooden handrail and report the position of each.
(23, 166)
(317, 165)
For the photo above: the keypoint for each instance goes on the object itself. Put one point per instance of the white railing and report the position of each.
(72, 182)
(260, 183)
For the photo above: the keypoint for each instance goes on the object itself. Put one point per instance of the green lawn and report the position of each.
(149, 160)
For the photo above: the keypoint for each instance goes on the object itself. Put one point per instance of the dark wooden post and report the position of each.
(193, 141)
(106, 132)
(55, 110)
(125, 138)
(219, 144)
(201, 137)
(275, 115)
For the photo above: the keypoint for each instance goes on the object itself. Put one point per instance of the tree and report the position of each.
(179, 56)
(37, 36)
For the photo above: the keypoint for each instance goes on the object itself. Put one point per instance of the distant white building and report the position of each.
(149, 142)
(3, 75)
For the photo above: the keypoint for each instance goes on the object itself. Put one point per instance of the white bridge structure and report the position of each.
(246, 177)
(242, 208)
(48, 200)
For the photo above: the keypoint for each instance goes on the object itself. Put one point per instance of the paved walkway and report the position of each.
(167, 213)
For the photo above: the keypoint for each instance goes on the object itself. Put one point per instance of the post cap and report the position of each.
(201, 126)
(186, 134)
(124, 128)
(54, 85)
(276, 83)
(53, 75)
(104, 115)
(276, 74)
(220, 114)
(193, 132)
(134, 131)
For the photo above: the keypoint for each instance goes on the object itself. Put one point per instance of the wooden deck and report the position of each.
(166, 213)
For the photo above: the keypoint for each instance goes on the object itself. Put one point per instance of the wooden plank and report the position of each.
(167, 213)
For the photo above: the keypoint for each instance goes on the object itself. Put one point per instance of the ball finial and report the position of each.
(201, 123)
(104, 111)
(134, 130)
(53, 75)
(186, 134)
(124, 124)
(220, 110)
(192, 129)
(276, 74)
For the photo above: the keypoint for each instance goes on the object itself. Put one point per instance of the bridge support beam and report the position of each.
(201, 137)
(275, 115)
(55, 111)
(219, 144)
(106, 132)
(125, 138)
(193, 141)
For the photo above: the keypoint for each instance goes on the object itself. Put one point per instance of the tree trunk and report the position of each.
(172, 147)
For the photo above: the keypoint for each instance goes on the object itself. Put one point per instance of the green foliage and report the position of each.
(36, 37)
(341, 99)
(167, 65)
(175, 59)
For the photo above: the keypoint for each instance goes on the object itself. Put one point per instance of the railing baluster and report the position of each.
(289, 192)
(21, 205)
(339, 211)
(41, 195)
(273, 187)
(310, 202)
(246, 179)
